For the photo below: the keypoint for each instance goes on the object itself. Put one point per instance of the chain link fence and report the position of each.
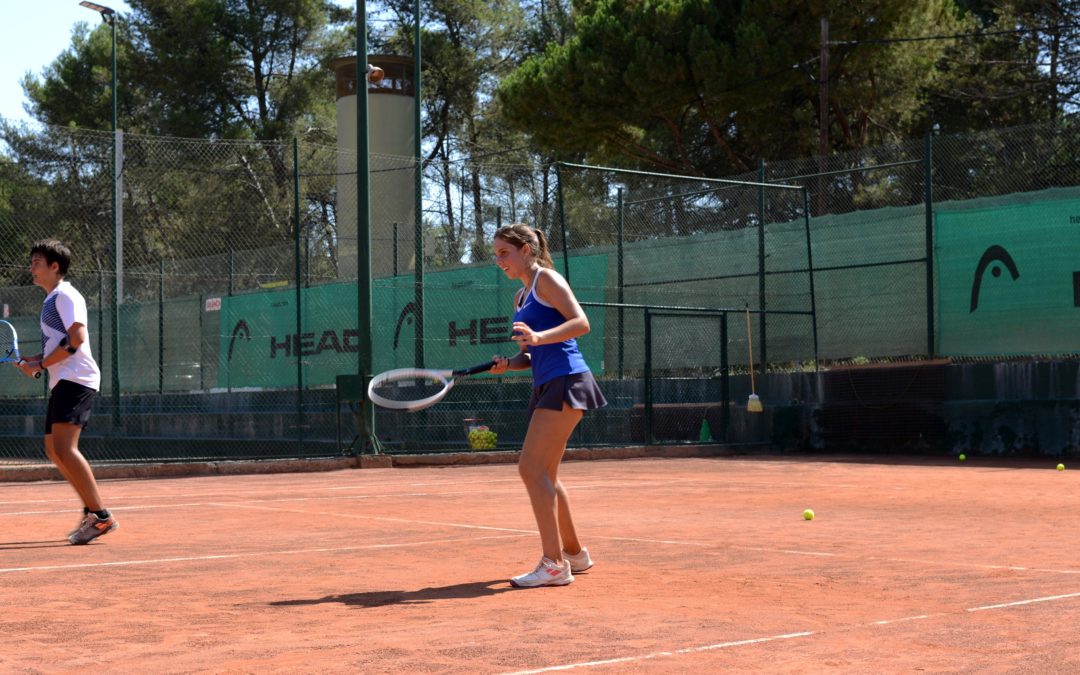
(238, 294)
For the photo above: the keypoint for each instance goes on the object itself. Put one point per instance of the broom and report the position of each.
(753, 404)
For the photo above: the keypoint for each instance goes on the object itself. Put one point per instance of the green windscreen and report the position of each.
(467, 318)
(1009, 279)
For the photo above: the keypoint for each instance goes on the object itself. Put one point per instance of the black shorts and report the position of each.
(579, 390)
(71, 403)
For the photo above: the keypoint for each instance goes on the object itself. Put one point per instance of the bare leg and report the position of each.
(65, 454)
(545, 443)
(51, 454)
(567, 532)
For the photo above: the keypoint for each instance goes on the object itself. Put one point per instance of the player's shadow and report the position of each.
(13, 545)
(476, 589)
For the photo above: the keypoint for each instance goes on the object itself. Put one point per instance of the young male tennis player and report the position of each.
(547, 320)
(74, 379)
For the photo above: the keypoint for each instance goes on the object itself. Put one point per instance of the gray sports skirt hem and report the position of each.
(579, 390)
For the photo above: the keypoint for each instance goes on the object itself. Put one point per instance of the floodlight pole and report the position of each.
(108, 15)
(419, 240)
(363, 227)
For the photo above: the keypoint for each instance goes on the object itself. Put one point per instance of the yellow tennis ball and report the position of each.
(1061, 467)
(962, 457)
(808, 514)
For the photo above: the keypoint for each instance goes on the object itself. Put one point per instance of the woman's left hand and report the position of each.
(524, 336)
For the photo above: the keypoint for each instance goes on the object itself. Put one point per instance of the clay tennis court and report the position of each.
(703, 565)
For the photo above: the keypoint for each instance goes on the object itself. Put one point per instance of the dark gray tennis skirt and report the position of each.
(579, 390)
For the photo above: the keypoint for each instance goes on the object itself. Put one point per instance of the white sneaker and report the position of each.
(580, 561)
(547, 573)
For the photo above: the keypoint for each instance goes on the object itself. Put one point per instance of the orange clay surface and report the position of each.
(702, 565)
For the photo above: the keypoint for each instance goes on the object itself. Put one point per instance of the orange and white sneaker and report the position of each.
(91, 528)
(547, 573)
(580, 561)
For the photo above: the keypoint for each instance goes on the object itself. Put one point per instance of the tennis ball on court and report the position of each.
(808, 514)
(962, 457)
(1061, 467)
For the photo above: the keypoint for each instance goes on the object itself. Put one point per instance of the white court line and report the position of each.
(252, 504)
(785, 636)
(916, 561)
(255, 554)
(656, 655)
(379, 518)
(626, 482)
(372, 496)
(787, 551)
(403, 495)
(1018, 603)
(278, 490)
(671, 542)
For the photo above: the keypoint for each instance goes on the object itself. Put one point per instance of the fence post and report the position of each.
(928, 187)
(118, 265)
(562, 222)
(101, 314)
(648, 378)
(395, 251)
(161, 325)
(619, 276)
(762, 321)
(725, 379)
(299, 298)
(810, 266)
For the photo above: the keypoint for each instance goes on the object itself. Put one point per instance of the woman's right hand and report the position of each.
(502, 364)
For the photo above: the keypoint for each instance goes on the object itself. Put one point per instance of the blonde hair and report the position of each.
(519, 234)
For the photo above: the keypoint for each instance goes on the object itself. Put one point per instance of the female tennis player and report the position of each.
(547, 320)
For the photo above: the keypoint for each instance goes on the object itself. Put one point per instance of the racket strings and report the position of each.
(7, 341)
(409, 389)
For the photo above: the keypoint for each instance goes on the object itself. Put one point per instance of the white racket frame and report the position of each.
(447, 377)
(401, 374)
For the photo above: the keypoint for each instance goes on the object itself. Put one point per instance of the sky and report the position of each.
(33, 36)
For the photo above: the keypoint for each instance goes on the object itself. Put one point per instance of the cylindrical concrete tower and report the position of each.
(393, 175)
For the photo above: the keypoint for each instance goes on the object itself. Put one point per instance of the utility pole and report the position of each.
(823, 114)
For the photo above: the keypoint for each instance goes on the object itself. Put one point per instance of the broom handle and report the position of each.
(750, 349)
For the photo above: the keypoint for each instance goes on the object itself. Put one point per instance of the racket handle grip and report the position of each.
(478, 368)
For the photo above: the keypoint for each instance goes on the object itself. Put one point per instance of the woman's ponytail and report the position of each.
(543, 255)
(520, 234)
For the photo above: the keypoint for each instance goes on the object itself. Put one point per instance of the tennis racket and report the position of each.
(412, 389)
(9, 345)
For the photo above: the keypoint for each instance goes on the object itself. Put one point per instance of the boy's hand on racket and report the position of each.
(29, 368)
(524, 336)
(502, 364)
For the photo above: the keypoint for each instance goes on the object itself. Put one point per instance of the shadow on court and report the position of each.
(13, 545)
(423, 596)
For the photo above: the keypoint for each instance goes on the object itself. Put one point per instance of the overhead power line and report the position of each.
(956, 36)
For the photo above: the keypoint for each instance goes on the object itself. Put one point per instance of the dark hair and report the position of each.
(54, 251)
(519, 234)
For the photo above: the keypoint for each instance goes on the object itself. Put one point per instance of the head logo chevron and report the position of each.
(993, 254)
(241, 331)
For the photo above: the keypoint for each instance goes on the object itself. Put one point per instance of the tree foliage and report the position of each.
(1022, 67)
(700, 87)
(201, 69)
(696, 86)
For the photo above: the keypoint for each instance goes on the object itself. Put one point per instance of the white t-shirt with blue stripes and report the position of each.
(63, 307)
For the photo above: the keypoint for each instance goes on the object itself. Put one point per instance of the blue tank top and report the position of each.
(554, 360)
